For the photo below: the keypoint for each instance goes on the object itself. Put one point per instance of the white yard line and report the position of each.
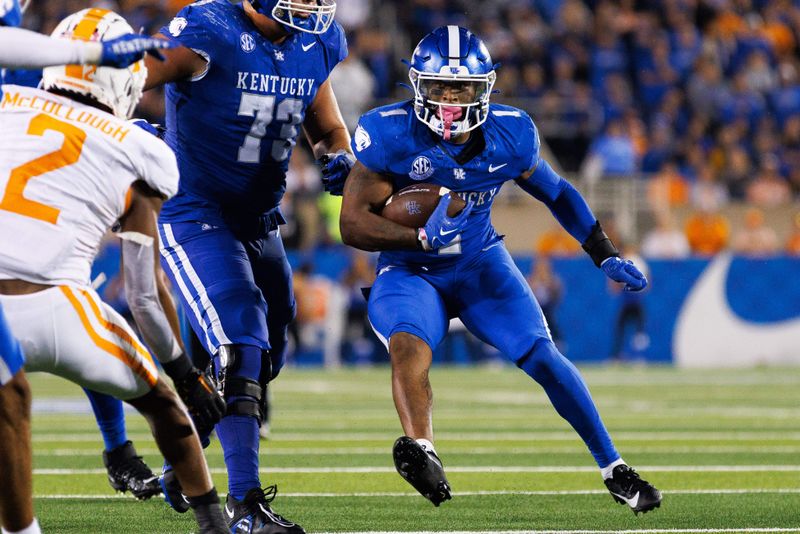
(650, 436)
(478, 469)
(361, 451)
(459, 493)
(511, 410)
(638, 531)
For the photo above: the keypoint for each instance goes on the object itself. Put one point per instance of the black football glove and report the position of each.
(204, 402)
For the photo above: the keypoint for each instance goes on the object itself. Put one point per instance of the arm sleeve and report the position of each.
(138, 252)
(564, 201)
(24, 49)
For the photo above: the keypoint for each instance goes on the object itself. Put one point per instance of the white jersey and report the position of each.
(66, 171)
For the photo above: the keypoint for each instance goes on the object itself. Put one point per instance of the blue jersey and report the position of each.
(390, 140)
(233, 126)
(10, 15)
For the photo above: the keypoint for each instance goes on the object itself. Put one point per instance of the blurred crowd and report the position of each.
(697, 99)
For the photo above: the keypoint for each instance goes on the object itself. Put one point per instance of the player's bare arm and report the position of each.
(365, 194)
(324, 126)
(181, 63)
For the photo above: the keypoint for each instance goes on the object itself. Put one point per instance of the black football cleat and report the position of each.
(253, 515)
(128, 472)
(422, 469)
(173, 494)
(628, 488)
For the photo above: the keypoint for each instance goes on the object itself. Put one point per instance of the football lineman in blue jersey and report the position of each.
(459, 266)
(247, 78)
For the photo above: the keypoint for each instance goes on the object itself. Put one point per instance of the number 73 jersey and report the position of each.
(233, 126)
(66, 171)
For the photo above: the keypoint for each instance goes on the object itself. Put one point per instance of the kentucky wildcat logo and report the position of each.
(421, 168)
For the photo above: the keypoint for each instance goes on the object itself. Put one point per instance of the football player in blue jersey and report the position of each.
(25, 49)
(458, 266)
(247, 78)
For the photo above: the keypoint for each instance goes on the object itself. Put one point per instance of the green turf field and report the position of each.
(723, 446)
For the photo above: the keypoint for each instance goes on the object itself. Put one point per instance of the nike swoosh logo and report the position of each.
(733, 341)
(308, 47)
(633, 502)
(228, 511)
(492, 168)
(447, 232)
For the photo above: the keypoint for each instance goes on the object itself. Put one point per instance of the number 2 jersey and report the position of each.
(234, 125)
(390, 140)
(66, 171)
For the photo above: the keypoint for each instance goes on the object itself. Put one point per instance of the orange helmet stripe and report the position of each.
(88, 24)
(84, 31)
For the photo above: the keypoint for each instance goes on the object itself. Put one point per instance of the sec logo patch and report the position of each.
(247, 42)
(421, 168)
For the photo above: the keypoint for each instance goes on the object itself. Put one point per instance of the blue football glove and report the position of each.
(130, 48)
(335, 168)
(624, 272)
(440, 230)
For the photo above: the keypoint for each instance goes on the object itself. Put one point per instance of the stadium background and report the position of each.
(679, 121)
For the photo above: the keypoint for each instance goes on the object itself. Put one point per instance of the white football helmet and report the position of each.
(119, 89)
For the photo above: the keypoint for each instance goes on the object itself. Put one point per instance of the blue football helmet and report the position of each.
(452, 75)
(11, 12)
(310, 16)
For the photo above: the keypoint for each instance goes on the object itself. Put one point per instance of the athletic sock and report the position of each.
(608, 471)
(33, 528)
(110, 418)
(427, 445)
(238, 435)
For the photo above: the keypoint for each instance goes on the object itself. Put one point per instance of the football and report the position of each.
(412, 205)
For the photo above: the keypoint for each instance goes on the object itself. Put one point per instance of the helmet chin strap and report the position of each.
(448, 114)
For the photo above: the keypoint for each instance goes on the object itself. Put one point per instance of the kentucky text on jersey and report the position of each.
(478, 197)
(270, 83)
(251, 101)
(116, 131)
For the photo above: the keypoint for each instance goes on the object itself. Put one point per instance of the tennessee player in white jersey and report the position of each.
(71, 166)
(67, 177)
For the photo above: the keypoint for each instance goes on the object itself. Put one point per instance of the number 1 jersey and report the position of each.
(233, 126)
